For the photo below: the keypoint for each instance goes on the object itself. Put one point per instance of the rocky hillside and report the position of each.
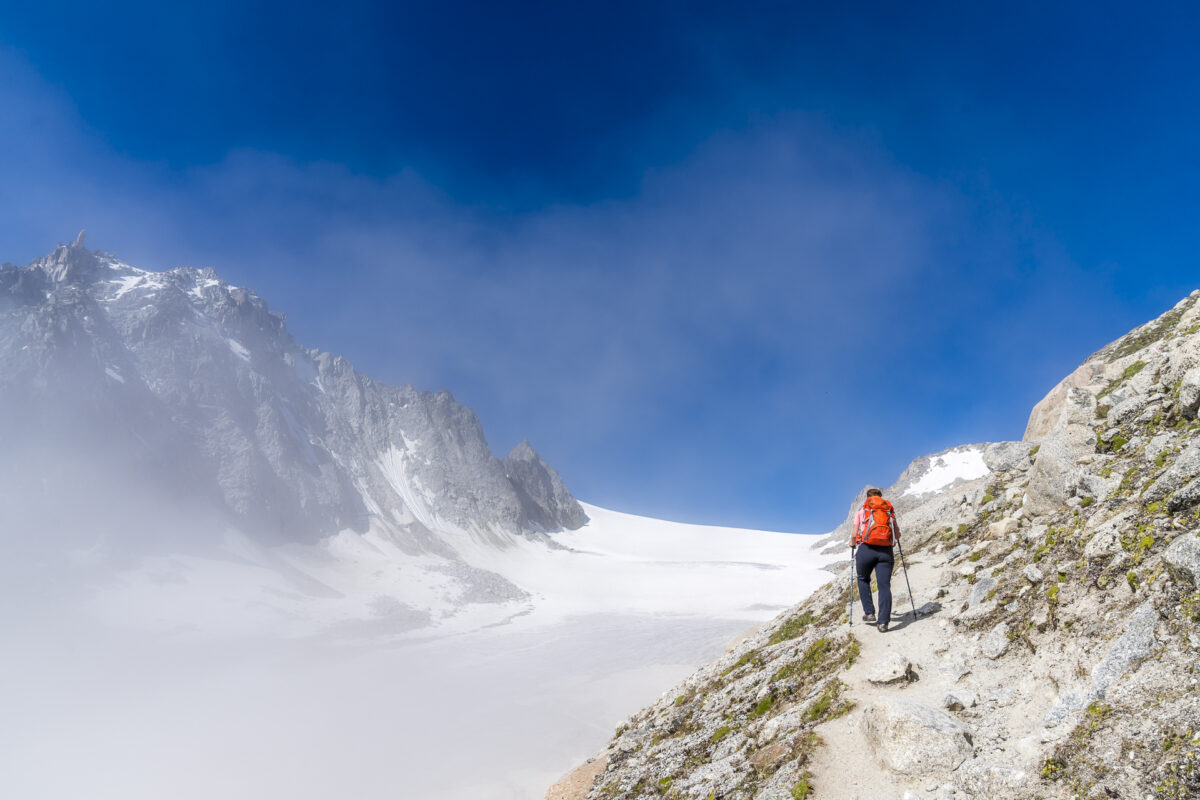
(1054, 650)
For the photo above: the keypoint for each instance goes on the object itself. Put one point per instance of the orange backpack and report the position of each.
(878, 528)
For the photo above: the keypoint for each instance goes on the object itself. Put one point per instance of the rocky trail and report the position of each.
(1056, 652)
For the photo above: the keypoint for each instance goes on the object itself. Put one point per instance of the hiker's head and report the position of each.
(874, 493)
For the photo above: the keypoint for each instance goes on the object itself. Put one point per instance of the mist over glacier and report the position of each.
(188, 711)
(235, 567)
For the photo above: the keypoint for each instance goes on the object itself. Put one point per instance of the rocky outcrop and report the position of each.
(1055, 654)
(545, 502)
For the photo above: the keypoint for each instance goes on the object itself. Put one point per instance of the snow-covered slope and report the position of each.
(356, 585)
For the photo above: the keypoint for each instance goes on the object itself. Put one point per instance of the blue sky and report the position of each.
(719, 262)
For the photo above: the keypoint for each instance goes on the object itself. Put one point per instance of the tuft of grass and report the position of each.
(763, 707)
(719, 734)
(812, 657)
(751, 656)
(803, 789)
(823, 709)
(793, 627)
(1084, 502)
(852, 653)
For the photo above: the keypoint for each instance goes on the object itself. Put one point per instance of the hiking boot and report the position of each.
(868, 617)
(882, 627)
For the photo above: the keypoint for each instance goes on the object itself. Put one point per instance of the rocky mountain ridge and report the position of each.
(1054, 650)
(121, 386)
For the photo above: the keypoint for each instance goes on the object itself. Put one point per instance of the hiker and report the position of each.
(874, 532)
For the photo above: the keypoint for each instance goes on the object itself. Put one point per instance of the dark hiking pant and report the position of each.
(870, 557)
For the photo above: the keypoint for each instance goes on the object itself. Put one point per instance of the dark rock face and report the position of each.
(178, 381)
(545, 501)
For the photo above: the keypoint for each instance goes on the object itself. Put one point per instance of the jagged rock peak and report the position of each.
(545, 501)
(199, 387)
(68, 262)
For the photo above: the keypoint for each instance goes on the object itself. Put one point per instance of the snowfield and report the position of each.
(961, 463)
(353, 585)
(349, 669)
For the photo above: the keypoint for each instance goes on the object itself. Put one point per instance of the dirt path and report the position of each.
(844, 769)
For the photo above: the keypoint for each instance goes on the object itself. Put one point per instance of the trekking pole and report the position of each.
(906, 583)
(851, 587)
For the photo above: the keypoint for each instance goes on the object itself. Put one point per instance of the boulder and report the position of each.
(892, 668)
(998, 530)
(1183, 558)
(1183, 470)
(995, 644)
(1107, 538)
(1127, 409)
(979, 595)
(1189, 393)
(913, 739)
(1158, 445)
(985, 779)
(1003, 456)
(1186, 497)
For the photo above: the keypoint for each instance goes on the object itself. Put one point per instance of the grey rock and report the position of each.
(1133, 645)
(1189, 393)
(986, 779)
(1107, 537)
(1183, 558)
(998, 530)
(1127, 410)
(995, 644)
(545, 501)
(891, 668)
(1186, 497)
(1067, 703)
(958, 552)
(1005, 456)
(959, 700)
(979, 594)
(913, 739)
(772, 728)
(954, 670)
(1158, 445)
(1036, 533)
(1185, 467)
(1033, 574)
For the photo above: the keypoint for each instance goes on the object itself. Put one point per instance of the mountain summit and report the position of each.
(176, 382)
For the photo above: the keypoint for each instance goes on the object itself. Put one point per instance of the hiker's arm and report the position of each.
(896, 526)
